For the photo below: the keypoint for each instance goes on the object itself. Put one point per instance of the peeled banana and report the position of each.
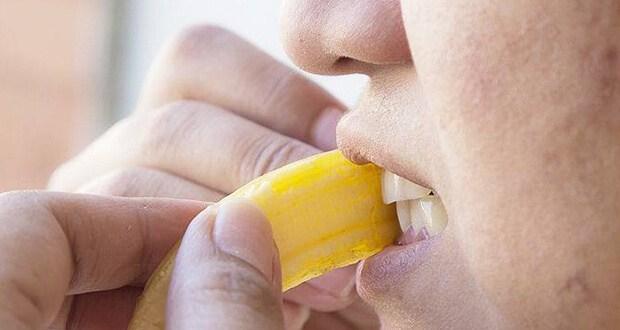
(325, 213)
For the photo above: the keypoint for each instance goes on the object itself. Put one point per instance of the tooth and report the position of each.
(414, 206)
(395, 188)
(440, 216)
(403, 212)
(427, 212)
(435, 214)
(419, 219)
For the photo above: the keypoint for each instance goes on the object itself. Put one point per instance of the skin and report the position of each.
(202, 129)
(80, 261)
(507, 110)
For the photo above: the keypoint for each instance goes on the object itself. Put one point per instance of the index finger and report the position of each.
(213, 65)
(54, 244)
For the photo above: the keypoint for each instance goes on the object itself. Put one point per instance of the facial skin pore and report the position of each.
(509, 111)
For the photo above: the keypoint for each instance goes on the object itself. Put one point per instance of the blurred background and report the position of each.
(71, 68)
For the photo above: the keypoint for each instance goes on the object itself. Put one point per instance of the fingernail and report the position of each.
(243, 231)
(324, 130)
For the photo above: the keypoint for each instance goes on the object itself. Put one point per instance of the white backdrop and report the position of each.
(149, 23)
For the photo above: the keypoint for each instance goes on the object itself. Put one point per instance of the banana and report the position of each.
(325, 213)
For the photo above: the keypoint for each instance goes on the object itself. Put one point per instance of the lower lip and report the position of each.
(382, 271)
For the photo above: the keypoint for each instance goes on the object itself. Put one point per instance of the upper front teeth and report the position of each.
(397, 189)
(414, 204)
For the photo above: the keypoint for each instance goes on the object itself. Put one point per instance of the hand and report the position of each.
(217, 112)
(227, 273)
(78, 261)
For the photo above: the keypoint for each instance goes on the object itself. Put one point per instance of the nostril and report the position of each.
(348, 65)
(339, 37)
(344, 65)
(343, 61)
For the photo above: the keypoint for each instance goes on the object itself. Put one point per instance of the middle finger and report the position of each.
(196, 141)
(213, 65)
(148, 182)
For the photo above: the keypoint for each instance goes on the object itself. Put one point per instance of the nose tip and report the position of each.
(343, 36)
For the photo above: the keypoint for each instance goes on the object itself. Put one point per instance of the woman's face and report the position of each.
(505, 110)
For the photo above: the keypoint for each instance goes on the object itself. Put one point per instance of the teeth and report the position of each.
(418, 217)
(395, 188)
(403, 211)
(414, 206)
(435, 214)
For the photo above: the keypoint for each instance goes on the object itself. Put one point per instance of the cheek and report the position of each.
(502, 84)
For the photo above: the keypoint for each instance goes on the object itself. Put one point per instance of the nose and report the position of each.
(344, 36)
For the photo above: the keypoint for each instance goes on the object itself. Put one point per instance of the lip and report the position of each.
(387, 270)
(374, 131)
(362, 139)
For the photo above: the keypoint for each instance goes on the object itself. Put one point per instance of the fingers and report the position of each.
(104, 310)
(295, 316)
(358, 316)
(54, 244)
(213, 65)
(332, 321)
(224, 273)
(107, 310)
(200, 143)
(148, 182)
(330, 292)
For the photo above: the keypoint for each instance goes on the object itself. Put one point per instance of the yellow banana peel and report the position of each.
(325, 212)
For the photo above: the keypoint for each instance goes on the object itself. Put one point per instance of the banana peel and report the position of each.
(325, 213)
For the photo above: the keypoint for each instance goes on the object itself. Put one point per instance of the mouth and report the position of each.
(422, 218)
(418, 208)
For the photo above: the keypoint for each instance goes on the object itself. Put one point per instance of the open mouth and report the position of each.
(422, 218)
(421, 213)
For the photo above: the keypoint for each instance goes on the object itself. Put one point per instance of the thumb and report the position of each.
(226, 274)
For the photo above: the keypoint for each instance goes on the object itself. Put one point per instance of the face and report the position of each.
(498, 107)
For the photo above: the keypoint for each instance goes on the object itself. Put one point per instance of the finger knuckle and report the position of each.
(193, 42)
(282, 81)
(20, 204)
(268, 153)
(283, 89)
(195, 48)
(12, 199)
(162, 129)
